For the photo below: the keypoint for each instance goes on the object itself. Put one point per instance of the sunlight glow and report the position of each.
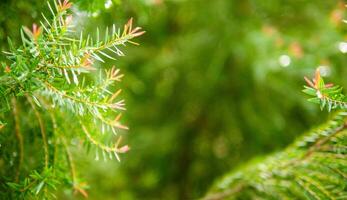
(108, 4)
(343, 47)
(284, 60)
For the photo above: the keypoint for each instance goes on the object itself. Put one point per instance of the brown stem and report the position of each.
(28, 186)
(19, 137)
(55, 127)
(43, 132)
(75, 184)
(70, 160)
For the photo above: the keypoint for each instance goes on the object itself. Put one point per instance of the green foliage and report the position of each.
(47, 80)
(327, 95)
(208, 77)
(32, 186)
(314, 167)
(205, 91)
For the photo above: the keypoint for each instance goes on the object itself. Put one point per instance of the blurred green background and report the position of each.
(212, 85)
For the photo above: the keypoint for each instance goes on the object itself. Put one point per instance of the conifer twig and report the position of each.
(114, 149)
(19, 137)
(69, 156)
(43, 132)
(55, 127)
(323, 140)
(49, 69)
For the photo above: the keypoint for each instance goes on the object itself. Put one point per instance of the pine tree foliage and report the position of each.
(49, 97)
(314, 167)
(327, 95)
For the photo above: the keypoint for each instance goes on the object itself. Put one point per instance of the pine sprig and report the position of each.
(51, 72)
(326, 95)
(36, 184)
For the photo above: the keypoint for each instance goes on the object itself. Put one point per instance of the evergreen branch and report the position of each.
(326, 95)
(108, 149)
(48, 69)
(324, 140)
(318, 168)
(30, 185)
(113, 123)
(70, 160)
(94, 104)
(116, 39)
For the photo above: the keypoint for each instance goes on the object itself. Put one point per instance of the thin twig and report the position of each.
(115, 149)
(43, 132)
(19, 137)
(91, 103)
(55, 127)
(70, 160)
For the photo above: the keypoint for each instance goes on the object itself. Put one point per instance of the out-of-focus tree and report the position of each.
(313, 167)
(218, 82)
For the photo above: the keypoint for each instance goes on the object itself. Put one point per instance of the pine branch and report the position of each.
(326, 95)
(50, 70)
(111, 150)
(314, 167)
